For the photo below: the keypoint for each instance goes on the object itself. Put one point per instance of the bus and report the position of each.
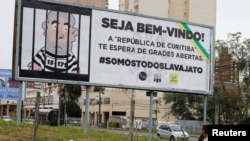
(49, 117)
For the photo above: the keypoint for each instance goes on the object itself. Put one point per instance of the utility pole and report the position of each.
(132, 113)
(36, 116)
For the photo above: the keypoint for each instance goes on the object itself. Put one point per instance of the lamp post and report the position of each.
(65, 111)
(99, 108)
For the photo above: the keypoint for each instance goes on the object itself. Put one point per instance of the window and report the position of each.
(92, 102)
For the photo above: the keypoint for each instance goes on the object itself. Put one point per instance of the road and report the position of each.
(125, 132)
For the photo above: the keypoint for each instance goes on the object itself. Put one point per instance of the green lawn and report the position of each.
(9, 131)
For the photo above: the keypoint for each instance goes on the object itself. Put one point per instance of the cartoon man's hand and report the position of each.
(74, 72)
(35, 67)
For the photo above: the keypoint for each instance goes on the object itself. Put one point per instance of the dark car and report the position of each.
(172, 132)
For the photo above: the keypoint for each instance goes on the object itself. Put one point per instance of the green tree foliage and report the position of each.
(73, 109)
(228, 103)
(234, 105)
(69, 95)
(99, 89)
(73, 92)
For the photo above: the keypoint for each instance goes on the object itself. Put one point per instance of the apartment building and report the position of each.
(94, 3)
(117, 103)
(49, 97)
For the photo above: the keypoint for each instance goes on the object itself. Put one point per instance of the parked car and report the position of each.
(172, 132)
(6, 118)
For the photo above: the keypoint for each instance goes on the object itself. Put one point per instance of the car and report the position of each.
(172, 132)
(6, 118)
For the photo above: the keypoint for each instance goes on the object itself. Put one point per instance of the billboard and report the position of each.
(9, 88)
(89, 46)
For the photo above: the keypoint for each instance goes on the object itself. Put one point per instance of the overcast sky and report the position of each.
(232, 17)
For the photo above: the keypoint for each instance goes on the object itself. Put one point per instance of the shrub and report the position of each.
(113, 124)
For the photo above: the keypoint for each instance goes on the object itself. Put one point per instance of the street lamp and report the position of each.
(99, 104)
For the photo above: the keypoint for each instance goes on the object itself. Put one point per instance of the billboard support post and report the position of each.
(19, 103)
(150, 116)
(35, 127)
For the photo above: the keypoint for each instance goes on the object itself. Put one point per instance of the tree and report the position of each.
(184, 106)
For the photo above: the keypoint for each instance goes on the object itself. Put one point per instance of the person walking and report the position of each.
(204, 134)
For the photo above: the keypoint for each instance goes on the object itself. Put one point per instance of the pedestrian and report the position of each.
(204, 134)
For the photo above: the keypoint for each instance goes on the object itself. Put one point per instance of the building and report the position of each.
(8, 107)
(117, 104)
(94, 3)
(225, 68)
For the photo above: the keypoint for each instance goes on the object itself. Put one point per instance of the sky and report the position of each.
(232, 16)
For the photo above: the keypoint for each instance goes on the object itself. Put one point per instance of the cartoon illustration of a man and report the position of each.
(57, 55)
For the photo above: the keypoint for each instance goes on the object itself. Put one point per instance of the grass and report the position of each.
(9, 131)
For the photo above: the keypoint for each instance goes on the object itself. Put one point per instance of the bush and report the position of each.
(113, 124)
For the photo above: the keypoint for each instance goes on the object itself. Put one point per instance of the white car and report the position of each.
(172, 132)
(6, 118)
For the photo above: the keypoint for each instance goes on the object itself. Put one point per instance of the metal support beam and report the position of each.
(86, 115)
(205, 110)
(19, 103)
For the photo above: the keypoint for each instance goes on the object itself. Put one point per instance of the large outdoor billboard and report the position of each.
(83, 45)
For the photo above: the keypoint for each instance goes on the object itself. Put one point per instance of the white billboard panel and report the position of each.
(154, 53)
(9, 88)
(115, 49)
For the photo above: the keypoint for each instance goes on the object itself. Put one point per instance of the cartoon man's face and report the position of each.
(66, 32)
